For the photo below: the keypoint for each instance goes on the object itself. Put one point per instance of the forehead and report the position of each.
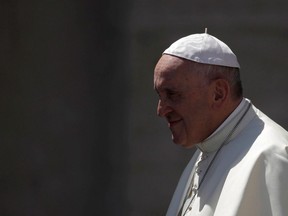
(172, 71)
(168, 63)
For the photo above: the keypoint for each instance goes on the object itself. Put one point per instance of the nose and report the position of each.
(163, 108)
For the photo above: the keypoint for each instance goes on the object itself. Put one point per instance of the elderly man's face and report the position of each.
(183, 100)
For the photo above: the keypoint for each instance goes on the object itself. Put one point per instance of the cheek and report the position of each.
(197, 115)
(194, 108)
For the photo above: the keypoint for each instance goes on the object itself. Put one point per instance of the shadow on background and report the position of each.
(64, 86)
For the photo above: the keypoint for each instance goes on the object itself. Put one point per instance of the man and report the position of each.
(241, 163)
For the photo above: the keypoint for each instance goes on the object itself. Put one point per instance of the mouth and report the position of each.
(173, 123)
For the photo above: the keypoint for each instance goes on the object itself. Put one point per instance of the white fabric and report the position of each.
(216, 139)
(247, 177)
(203, 48)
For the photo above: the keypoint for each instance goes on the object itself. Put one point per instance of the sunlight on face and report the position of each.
(183, 100)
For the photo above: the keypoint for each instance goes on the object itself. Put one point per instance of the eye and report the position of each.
(173, 95)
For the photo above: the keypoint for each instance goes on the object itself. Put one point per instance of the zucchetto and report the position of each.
(203, 48)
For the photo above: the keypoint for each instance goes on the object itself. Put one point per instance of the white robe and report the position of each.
(249, 175)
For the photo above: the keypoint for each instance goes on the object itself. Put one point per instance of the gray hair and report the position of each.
(230, 74)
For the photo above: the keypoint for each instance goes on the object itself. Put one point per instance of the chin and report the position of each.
(182, 143)
(186, 145)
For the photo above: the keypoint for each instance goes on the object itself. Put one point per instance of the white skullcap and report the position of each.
(203, 48)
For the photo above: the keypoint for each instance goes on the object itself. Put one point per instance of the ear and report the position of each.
(221, 90)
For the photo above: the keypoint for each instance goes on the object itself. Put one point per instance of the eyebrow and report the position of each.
(166, 89)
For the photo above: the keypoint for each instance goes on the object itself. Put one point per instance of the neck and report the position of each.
(216, 139)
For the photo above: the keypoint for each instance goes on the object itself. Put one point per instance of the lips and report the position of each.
(173, 123)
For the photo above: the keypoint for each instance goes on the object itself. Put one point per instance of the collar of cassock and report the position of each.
(218, 137)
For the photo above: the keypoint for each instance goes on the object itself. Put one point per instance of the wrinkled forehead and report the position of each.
(171, 66)
(167, 68)
(168, 63)
(171, 70)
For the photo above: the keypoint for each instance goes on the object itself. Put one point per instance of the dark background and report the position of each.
(79, 132)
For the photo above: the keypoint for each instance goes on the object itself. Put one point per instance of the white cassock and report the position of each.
(245, 176)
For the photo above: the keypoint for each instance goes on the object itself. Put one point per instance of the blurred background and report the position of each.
(79, 132)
